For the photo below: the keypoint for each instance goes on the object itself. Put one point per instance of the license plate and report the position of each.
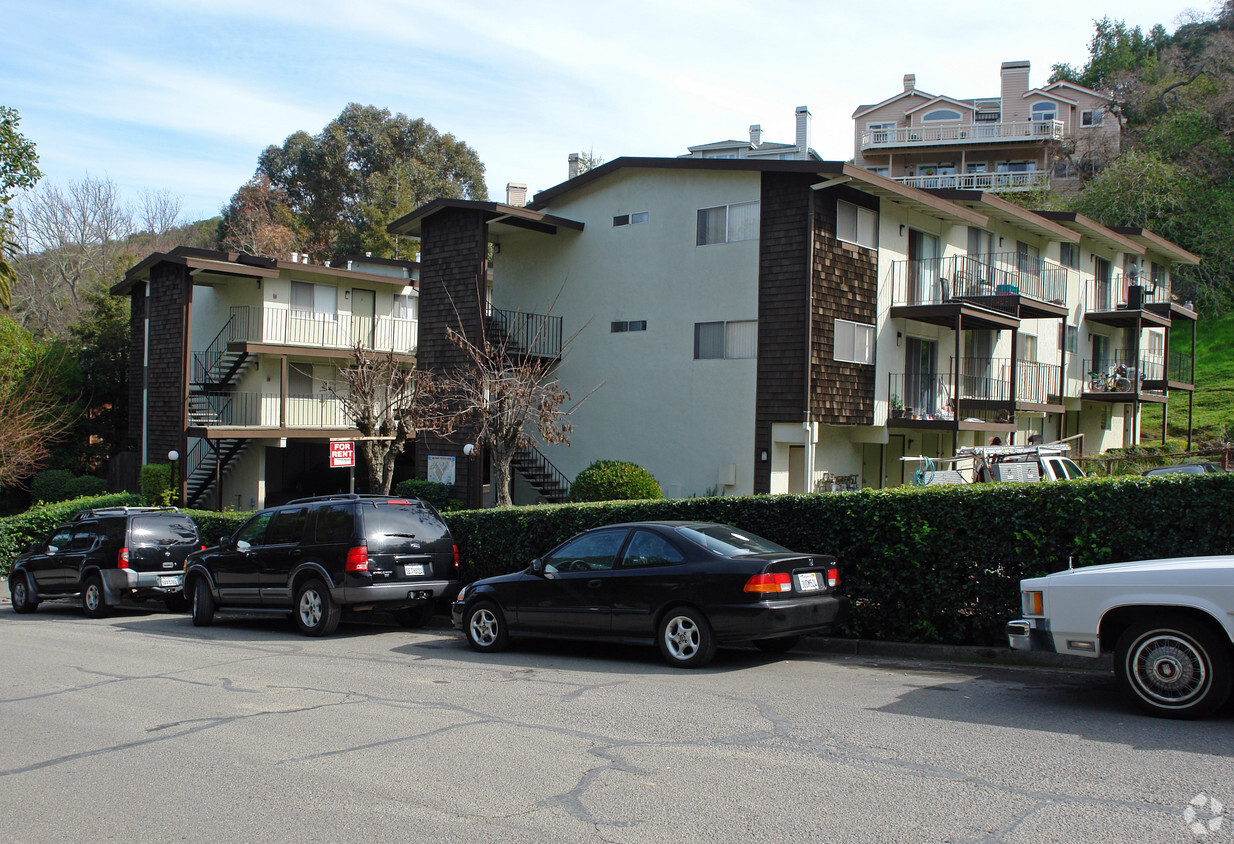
(413, 571)
(807, 581)
(170, 580)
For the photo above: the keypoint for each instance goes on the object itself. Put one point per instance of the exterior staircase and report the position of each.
(207, 462)
(543, 476)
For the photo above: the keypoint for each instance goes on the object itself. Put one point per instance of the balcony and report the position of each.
(925, 400)
(1021, 181)
(265, 410)
(1113, 301)
(291, 327)
(1017, 285)
(1121, 377)
(976, 134)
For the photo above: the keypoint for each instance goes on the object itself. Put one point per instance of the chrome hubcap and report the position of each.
(483, 627)
(681, 637)
(92, 597)
(1168, 670)
(19, 593)
(310, 608)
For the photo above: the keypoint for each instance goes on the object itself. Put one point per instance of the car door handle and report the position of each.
(594, 584)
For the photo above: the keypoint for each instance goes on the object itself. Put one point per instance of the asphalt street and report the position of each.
(141, 727)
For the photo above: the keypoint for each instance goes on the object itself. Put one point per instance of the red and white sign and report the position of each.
(342, 455)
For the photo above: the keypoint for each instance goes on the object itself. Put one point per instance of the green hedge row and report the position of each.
(940, 564)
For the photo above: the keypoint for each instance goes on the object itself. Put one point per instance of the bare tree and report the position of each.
(506, 393)
(32, 417)
(158, 220)
(388, 403)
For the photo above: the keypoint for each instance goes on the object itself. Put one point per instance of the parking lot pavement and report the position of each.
(144, 727)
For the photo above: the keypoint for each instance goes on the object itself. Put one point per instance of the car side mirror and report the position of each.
(537, 565)
(227, 543)
(36, 548)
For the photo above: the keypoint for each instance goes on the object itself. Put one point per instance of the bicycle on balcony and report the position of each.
(1115, 380)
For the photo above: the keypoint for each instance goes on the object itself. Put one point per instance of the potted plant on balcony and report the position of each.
(897, 407)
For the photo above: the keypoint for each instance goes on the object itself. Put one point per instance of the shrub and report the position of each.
(17, 532)
(614, 480)
(51, 485)
(439, 495)
(156, 484)
(939, 564)
(87, 485)
(214, 525)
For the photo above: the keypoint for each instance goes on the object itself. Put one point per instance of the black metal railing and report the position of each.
(1120, 372)
(1179, 367)
(206, 364)
(538, 335)
(932, 281)
(534, 462)
(1036, 382)
(983, 378)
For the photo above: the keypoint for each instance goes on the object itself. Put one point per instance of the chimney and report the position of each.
(756, 134)
(910, 81)
(516, 194)
(576, 165)
(803, 131)
(1014, 87)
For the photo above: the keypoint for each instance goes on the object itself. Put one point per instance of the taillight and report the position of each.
(397, 501)
(456, 556)
(357, 558)
(775, 582)
(122, 559)
(833, 578)
(203, 548)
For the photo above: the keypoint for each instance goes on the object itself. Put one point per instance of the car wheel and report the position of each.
(685, 638)
(1174, 667)
(22, 594)
(413, 617)
(777, 646)
(486, 628)
(93, 604)
(316, 613)
(203, 603)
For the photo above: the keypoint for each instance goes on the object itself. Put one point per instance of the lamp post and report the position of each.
(172, 457)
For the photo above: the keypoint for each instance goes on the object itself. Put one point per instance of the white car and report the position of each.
(1169, 623)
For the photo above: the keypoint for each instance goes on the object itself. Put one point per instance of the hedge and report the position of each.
(940, 564)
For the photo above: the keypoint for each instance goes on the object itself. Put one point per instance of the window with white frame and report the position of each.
(318, 301)
(405, 305)
(1044, 111)
(1069, 255)
(732, 340)
(854, 342)
(855, 224)
(941, 114)
(728, 223)
(631, 219)
(881, 132)
(1094, 117)
(624, 325)
(1027, 347)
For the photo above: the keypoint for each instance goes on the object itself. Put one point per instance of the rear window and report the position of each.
(163, 530)
(398, 522)
(335, 523)
(729, 542)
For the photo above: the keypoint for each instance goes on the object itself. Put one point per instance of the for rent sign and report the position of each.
(342, 455)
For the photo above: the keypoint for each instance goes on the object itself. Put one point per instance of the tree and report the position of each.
(18, 170)
(388, 403)
(99, 342)
(257, 221)
(34, 412)
(503, 394)
(365, 169)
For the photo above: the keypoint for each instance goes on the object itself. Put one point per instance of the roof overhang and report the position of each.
(943, 98)
(496, 214)
(911, 92)
(1090, 228)
(1157, 243)
(999, 209)
(1074, 87)
(1042, 92)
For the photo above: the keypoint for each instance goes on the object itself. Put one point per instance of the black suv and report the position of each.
(316, 557)
(106, 555)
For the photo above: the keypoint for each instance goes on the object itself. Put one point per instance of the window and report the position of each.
(987, 116)
(880, 171)
(1096, 117)
(728, 223)
(628, 325)
(732, 340)
(591, 552)
(1107, 418)
(1044, 111)
(288, 526)
(300, 379)
(941, 114)
(881, 132)
(980, 244)
(649, 549)
(317, 300)
(1073, 339)
(975, 167)
(854, 342)
(1069, 255)
(254, 529)
(631, 219)
(719, 155)
(335, 523)
(405, 306)
(855, 224)
(1028, 347)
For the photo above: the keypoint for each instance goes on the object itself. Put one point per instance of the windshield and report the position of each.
(728, 541)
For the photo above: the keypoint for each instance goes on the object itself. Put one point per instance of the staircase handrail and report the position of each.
(203, 362)
(543, 464)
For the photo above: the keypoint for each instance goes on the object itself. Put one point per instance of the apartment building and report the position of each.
(232, 359)
(764, 325)
(1024, 138)
(756, 147)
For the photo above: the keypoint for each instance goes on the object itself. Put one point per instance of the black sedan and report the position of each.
(686, 586)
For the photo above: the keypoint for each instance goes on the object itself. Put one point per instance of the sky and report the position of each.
(183, 95)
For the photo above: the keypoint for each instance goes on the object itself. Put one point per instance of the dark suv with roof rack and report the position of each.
(315, 557)
(106, 555)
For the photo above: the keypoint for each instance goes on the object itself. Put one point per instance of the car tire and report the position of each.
(21, 592)
(685, 638)
(202, 604)
(93, 601)
(777, 646)
(414, 617)
(485, 626)
(1174, 667)
(315, 612)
